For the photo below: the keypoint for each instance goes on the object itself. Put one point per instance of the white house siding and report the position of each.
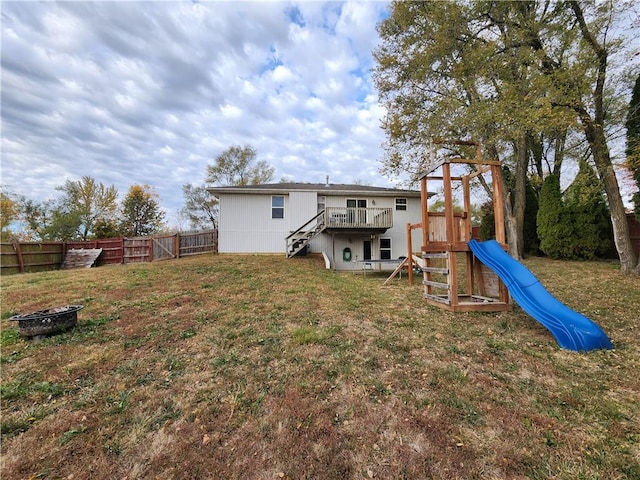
(303, 207)
(397, 234)
(246, 225)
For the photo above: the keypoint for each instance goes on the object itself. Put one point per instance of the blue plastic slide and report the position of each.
(571, 329)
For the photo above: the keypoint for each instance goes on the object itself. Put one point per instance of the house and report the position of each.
(350, 224)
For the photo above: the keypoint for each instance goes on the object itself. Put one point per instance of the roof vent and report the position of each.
(327, 180)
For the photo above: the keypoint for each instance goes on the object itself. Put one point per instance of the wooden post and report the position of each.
(498, 204)
(467, 208)
(479, 279)
(16, 247)
(466, 192)
(121, 250)
(409, 255)
(498, 213)
(452, 278)
(176, 246)
(333, 252)
(448, 204)
(425, 215)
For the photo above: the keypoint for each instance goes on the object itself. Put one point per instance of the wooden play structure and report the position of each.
(453, 278)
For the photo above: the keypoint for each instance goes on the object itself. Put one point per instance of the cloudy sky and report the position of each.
(151, 92)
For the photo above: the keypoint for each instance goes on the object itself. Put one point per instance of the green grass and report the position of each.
(263, 367)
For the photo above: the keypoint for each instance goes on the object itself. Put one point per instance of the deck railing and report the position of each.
(347, 217)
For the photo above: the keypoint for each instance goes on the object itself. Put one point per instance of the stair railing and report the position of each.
(309, 226)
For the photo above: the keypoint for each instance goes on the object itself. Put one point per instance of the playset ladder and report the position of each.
(452, 277)
(430, 284)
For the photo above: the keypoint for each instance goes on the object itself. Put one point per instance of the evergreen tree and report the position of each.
(531, 240)
(530, 225)
(633, 142)
(488, 222)
(587, 208)
(555, 227)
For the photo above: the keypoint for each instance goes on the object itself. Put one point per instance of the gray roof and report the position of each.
(321, 188)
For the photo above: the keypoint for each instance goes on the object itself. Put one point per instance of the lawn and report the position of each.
(259, 367)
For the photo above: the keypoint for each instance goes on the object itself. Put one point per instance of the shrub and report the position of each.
(590, 215)
(555, 227)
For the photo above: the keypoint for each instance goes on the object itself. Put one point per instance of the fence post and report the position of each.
(151, 249)
(16, 247)
(176, 245)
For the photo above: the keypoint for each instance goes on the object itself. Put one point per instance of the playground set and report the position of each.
(490, 275)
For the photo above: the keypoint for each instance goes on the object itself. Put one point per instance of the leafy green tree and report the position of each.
(555, 227)
(201, 208)
(141, 213)
(62, 224)
(237, 166)
(463, 70)
(438, 204)
(106, 229)
(487, 229)
(530, 240)
(580, 82)
(85, 202)
(9, 211)
(34, 217)
(587, 208)
(633, 143)
(504, 73)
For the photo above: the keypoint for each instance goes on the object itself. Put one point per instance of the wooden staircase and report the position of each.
(297, 241)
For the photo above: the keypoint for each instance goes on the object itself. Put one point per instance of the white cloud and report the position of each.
(151, 92)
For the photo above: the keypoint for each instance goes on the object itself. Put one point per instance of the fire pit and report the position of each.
(46, 322)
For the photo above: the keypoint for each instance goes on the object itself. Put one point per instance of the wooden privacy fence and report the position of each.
(30, 257)
(111, 249)
(634, 232)
(24, 257)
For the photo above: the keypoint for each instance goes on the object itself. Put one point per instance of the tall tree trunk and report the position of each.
(594, 133)
(520, 194)
(558, 157)
(595, 136)
(511, 227)
(515, 200)
(535, 144)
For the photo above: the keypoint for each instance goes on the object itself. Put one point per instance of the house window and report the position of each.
(385, 249)
(277, 206)
(401, 203)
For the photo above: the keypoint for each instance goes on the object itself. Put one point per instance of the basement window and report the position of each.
(385, 249)
(277, 206)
